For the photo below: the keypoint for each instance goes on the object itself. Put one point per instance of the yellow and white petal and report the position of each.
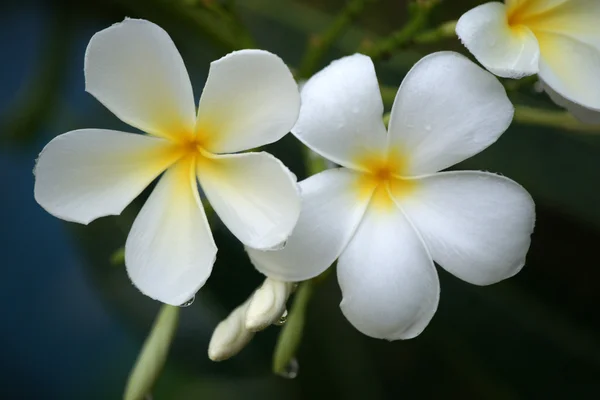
(477, 225)
(331, 211)
(250, 99)
(389, 285)
(170, 250)
(341, 114)
(583, 114)
(135, 70)
(577, 19)
(510, 52)
(90, 173)
(447, 110)
(254, 194)
(571, 68)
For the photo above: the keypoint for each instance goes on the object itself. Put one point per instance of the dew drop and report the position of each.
(189, 302)
(291, 370)
(428, 128)
(282, 320)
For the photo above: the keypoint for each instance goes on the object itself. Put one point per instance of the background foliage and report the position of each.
(73, 323)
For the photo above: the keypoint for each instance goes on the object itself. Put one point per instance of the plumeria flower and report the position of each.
(387, 213)
(557, 39)
(250, 99)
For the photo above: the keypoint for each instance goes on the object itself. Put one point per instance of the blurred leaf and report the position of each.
(153, 355)
(118, 257)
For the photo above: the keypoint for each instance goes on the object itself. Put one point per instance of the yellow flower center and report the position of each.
(383, 177)
(532, 14)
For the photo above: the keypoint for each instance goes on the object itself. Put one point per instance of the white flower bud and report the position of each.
(230, 336)
(267, 304)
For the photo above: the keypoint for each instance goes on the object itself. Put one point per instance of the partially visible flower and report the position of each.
(231, 335)
(267, 304)
(557, 39)
(263, 308)
(250, 99)
(387, 214)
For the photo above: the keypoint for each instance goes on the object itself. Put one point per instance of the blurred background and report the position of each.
(73, 324)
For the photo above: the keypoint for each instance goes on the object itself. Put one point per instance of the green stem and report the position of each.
(229, 16)
(444, 31)
(153, 355)
(418, 16)
(291, 333)
(555, 119)
(319, 45)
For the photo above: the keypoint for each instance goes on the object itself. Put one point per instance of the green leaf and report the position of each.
(153, 354)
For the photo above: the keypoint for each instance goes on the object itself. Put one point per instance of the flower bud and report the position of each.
(267, 304)
(230, 336)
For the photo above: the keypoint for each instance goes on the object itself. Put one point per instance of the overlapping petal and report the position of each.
(570, 67)
(510, 52)
(447, 109)
(341, 114)
(90, 173)
(389, 285)
(581, 113)
(330, 214)
(250, 99)
(135, 70)
(254, 194)
(476, 225)
(577, 19)
(170, 250)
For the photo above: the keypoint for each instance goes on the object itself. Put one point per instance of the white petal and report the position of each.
(135, 70)
(389, 285)
(581, 113)
(331, 211)
(341, 114)
(446, 110)
(250, 99)
(505, 51)
(170, 251)
(90, 173)
(254, 194)
(267, 304)
(476, 225)
(571, 68)
(230, 336)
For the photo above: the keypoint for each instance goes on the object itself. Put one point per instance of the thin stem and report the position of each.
(291, 334)
(550, 118)
(319, 45)
(418, 16)
(444, 31)
(153, 355)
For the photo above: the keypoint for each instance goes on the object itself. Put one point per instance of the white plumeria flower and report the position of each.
(387, 214)
(557, 39)
(250, 99)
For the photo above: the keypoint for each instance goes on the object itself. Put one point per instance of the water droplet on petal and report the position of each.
(282, 320)
(428, 128)
(291, 370)
(189, 302)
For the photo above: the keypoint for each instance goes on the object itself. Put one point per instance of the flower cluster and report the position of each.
(387, 210)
